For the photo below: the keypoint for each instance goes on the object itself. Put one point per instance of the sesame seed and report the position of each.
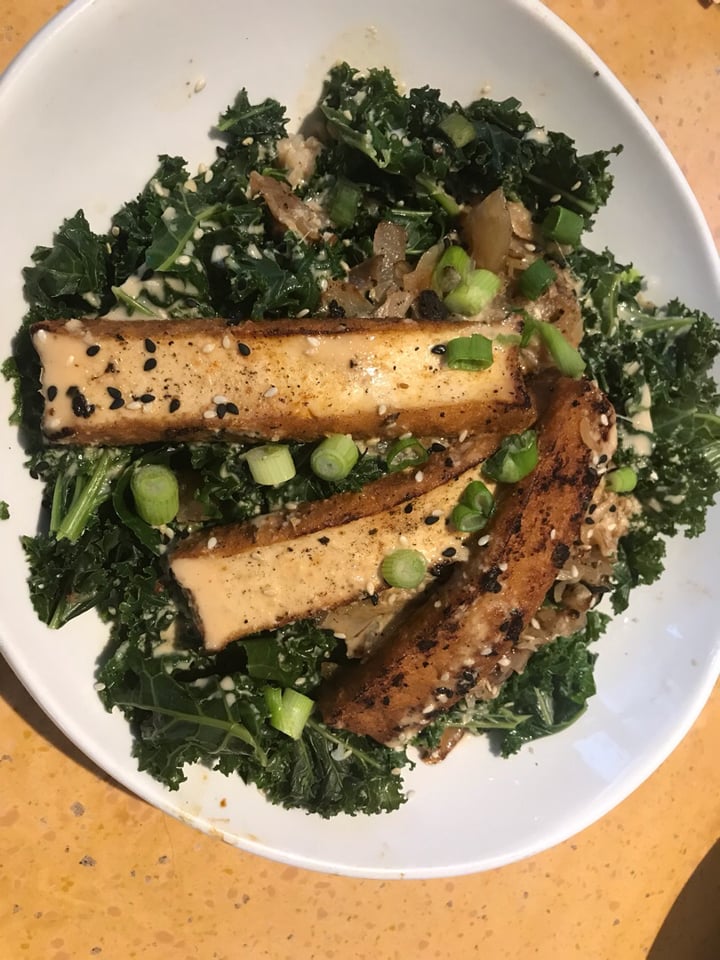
(604, 420)
(576, 185)
(150, 345)
(244, 349)
(219, 399)
(535, 623)
(403, 540)
(209, 414)
(271, 392)
(114, 393)
(553, 534)
(382, 410)
(117, 403)
(150, 364)
(419, 476)
(370, 588)
(439, 349)
(313, 341)
(93, 350)
(51, 393)
(431, 519)
(174, 405)
(232, 408)
(147, 398)
(502, 567)
(408, 508)
(212, 543)
(555, 197)
(134, 405)
(530, 247)
(208, 348)
(484, 540)
(221, 410)
(463, 436)
(226, 342)
(449, 552)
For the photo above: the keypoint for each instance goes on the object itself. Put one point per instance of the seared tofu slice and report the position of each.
(465, 629)
(120, 382)
(286, 566)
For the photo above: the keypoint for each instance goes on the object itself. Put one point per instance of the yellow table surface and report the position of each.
(86, 869)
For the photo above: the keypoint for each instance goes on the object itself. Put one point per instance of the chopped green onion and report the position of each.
(335, 457)
(467, 520)
(563, 225)
(451, 269)
(270, 464)
(289, 710)
(473, 293)
(469, 353)
(156, 493)
(403, 568)
(566, 358)
(405, 452)
(344, 202)
(536, 279)
(515, 459)
(622, 480)
(458, 129)
(477, 496)
(437, 193)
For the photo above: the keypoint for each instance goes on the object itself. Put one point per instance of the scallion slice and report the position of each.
(476, 496)
(466, 519)
(289, 710)
(473, 293)
(516, 457)
(458, 129)
(451, 269)
(405, 452)
(156, 493)
(404, 568)
(270, 464)
(622, 480)
(563, 226)
(536, 279)
(334, 458)
(566, 358)
(469, 353)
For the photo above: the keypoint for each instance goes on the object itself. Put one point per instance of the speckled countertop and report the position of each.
(88, 870)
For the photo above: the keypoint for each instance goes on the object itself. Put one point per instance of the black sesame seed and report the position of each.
(431, 520)
(146, 398)
(117, 403)
(244, 349)
(439, 349)
(408, 508)
(374, 599)
(93, 350)
(449, 552)
(232, 408)
(437, 447)
(221, 410)
(589, 520)
(612, 508)
(324, 540)
(150, 364)
(80, 406)
(114, 393)
(174, 405)
(51, 393)
(602, 458)
(150, 345)
(592, 508)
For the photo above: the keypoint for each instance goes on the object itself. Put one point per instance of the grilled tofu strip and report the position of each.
(120, 382)
(459, 635)
(285, 566)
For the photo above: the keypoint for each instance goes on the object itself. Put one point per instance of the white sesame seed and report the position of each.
(303, 313)
(313, 341)
(98, 686)
(436, 513)
(248, 141)
(504, 661)
(115, 231)
(134, 405)
(403, 540)
(340, 636)
(202, 168)
(555, 197)
(345, 265)
(199, 84)
(208, 348)
(220, 399)
(183, 260)
(484, 540)
(271, 392)
(535, 623)
(53, 423)
(463, 436)
(208, 176)
(437, 604)
(604, 420)
(212, 543)
(370, 588)
(226, 342)
(41, 335)
(530, 247)
(576, 185)
(553, 534)
(382, 410)
(502, 567)
(419, 476)
(209, 414)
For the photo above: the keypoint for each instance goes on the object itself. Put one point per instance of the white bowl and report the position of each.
(84, 111)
